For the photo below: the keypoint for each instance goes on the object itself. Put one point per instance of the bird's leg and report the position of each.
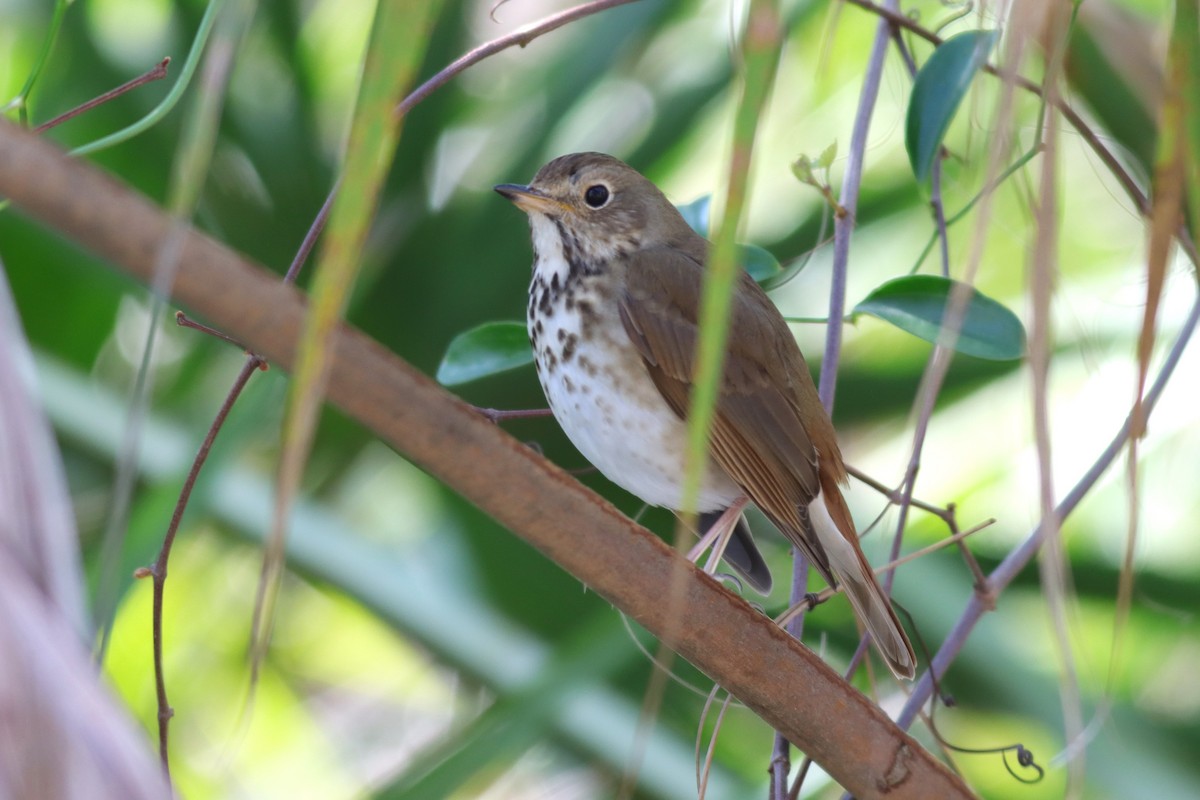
(717, 536)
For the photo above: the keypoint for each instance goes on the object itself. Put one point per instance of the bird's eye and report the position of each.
(596, 196)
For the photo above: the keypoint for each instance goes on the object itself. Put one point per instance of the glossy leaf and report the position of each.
(490, 348)
(937, 93)
(696, 213)
(754, 259)
(917, 304)
(758, 262)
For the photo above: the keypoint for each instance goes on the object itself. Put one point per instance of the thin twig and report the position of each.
(1043, 277)
(843, 227)
(938, 364)
(704, 771)
(182, 81)
(810, 601)
(521, 37)
(1127, 181)
(844, 223)
(498, 415)
(159, 570)
(1019, 557)
(895, 497)
(184, 321)
(157, 73)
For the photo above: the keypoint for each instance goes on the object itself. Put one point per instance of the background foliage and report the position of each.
(419, 649)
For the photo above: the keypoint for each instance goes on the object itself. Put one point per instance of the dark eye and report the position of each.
(596, 196)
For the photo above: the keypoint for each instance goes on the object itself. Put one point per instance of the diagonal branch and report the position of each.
(1020, 556)
(769, 671)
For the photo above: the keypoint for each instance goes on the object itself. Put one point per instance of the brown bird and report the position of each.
(612, 317)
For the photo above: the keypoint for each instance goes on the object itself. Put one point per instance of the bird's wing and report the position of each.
(770, 433)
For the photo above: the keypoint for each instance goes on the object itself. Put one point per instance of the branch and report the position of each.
(770, 672)
(1069, 114)
(521, 36)
(1020, 556)
(157, 73)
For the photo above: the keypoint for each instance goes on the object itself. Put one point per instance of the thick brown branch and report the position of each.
(769, 671)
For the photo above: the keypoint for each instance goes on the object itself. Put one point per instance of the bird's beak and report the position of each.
(529, 199)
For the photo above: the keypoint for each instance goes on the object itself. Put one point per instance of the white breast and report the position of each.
(601, 394)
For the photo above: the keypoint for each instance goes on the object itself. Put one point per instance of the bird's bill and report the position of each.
(529, 199)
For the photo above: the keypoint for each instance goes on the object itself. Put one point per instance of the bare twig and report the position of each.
(190, 170)
(844, 224)
(184, 321)
(1020, 556)
(520, 37)
(159, 570)
(1127, 181)
(157, 73)
(502, 415)
(1043, 271)
(895, 497)
(810, 601)
(843, 227)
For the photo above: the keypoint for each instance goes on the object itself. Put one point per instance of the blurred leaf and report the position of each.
(917, 304)
(398, 39)
(802, 169)
(1112, 63)
(825, 160)
(937, 92)
(490, 348)
(21, 101)
(761, 45)
(757, 261)
(519, 720)
(165, 106)
(696, 214)
(1187, 29)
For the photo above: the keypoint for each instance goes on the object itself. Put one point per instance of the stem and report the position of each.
(522, 36)
(21, 101)
(1020, 556)
(168, 102)
(159, 570)
(158, 72)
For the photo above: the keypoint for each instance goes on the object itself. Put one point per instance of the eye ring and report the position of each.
(596, 196)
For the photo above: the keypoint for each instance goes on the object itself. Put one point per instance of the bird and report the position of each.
(614, 300)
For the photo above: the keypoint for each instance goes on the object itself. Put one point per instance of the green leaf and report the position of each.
(490, 348)
(1107, 68)
(802, 169)
(695, 214)
(825, 160)
(938, 91)
(758, 262)
(917, 303)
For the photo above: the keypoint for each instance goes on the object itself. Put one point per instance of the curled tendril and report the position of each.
(1024, 755)
(1025, 759)
(495, 7)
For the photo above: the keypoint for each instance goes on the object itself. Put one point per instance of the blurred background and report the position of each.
(422, 651)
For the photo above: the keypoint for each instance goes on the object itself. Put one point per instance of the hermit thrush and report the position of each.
(612, 321)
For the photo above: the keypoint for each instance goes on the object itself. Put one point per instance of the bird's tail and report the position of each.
(850, 568)
(741, 552)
